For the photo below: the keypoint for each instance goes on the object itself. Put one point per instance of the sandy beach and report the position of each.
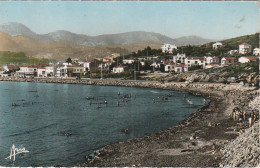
(198, 140)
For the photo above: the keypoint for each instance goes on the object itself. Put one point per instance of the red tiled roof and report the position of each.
(166, 61)
(213, 64)
(230, 58)
(32, 66)
(244, 44)
(11, 66)
(250, 58)
(181, 65)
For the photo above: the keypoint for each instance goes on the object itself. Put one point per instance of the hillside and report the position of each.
(19, 58)
(253, 40)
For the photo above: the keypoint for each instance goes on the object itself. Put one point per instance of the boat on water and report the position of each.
(16, 151)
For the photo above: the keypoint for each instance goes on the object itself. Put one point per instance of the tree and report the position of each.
(162, 67)
(69, 60)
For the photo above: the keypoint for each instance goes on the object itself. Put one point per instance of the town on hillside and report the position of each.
(168, 59)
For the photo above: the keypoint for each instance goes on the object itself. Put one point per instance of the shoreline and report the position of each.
(190, 143)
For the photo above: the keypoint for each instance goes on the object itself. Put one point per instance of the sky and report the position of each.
(211, 20)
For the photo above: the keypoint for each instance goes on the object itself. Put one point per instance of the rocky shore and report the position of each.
(199, 140)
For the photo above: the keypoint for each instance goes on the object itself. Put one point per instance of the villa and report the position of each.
(246, 59)
(168, 48)
(244, 48)
(217, 45)
(225, 61)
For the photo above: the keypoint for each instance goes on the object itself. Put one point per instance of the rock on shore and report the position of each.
(244, 151)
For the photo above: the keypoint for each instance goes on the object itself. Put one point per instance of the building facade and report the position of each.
(244, 48)
(168, 48)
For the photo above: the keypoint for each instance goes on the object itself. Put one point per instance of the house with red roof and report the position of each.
(27, 71)
(246, 59)
(169, 67)
(10, 68)
(195, 61)
(225, 61)
(180, 68)
(211, 60)
(245, 48)
(119, 69)
(108, 59)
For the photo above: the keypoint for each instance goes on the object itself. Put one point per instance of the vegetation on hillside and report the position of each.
(236, 70)
(19, 58)
(229, 44)
(253, 40)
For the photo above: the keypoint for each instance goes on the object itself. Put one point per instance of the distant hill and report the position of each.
(61, 50)
(14, 29)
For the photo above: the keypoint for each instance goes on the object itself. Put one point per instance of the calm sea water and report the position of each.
(59, 126)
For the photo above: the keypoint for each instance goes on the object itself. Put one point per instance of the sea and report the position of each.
(62, 124)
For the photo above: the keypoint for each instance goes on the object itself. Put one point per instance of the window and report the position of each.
(196, 62)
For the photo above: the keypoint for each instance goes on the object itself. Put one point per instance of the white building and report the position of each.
(27, 71)
(63, 70)
(231, 52)
(180, 68)
(256, 51)
(228, 61)
(245, 59)
(179, 58)
(244, 48)
(156, 64)
(169, 67)
(86, 65)
(194, 61)
(168, 48)
(211, 60)
(41, 72)
(118, 69)
(128, 61)
(49, 70)
(217, 45)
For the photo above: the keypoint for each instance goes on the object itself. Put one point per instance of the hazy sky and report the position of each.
(214, 20)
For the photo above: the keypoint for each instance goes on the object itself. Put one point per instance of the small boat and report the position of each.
(15, 151)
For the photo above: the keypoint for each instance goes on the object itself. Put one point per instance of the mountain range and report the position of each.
(62, 43)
